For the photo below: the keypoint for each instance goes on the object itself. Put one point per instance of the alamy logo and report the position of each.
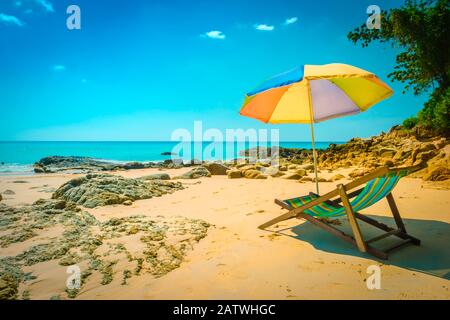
(374, 20)
(73, 21)
(374, 280)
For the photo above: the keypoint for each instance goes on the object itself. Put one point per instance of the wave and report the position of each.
(16, 168)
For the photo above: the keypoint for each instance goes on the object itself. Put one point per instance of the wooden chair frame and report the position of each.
(342, 192)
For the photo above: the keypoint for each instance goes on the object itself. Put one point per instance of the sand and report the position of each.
(238, 261)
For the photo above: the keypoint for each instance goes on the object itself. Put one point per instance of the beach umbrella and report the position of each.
(310, 94)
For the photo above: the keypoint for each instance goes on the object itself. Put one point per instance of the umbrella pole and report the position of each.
(314, 157)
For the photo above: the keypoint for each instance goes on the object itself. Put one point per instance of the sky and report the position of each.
(138, 70)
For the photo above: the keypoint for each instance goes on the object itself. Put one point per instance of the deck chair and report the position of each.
(372, 188)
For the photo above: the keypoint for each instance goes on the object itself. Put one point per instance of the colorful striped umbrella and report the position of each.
(315, 93)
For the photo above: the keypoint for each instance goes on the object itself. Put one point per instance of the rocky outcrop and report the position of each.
(104, 248)
(95, 190)
(399, 147)
(87, 165)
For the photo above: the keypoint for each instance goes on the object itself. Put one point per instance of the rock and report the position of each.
(234, 174)
(439, 144)
(308, 167)
(1, 198)
(305, 179)
(388, 163)
(98, 246)
(292, 176)
(216, 168)
(385, 152)
(283, 168)
(86, 164)
(358, 173)
(254, 174)
(127, 203)
(156, 176)
(195, 173)
(301, 172)
(243, 164)
(9, 192)
(292, 166)
(437, 174)
(38, 169)
(337, 177)
(133, 165)
(95, 190)
(247, 167)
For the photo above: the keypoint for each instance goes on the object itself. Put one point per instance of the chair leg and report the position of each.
(395, 212)
(351, 218)
(342, 235)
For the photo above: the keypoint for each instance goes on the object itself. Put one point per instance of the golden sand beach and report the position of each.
(236, 260)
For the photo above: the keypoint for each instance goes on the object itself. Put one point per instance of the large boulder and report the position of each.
(254, 174)
(195, 173)
(292, 176)
(243, 169)
(95, 190)
(234, 174)
(216, 169)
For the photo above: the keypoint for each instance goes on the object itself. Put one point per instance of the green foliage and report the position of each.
(420, 29)
(410, 122)
(436, 112)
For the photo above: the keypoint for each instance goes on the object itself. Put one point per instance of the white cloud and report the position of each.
(290, 20)
(11, 20)
(215, 35)
(59, 67)
(47, 5)
(264, 27)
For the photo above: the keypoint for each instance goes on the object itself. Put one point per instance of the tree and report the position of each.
(420, 29)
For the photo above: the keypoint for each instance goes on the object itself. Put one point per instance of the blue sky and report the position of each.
(137, 70)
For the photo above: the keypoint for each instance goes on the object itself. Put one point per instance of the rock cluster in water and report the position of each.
(86, 165)
(95, 190)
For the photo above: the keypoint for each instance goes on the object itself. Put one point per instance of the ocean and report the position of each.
(18, 157)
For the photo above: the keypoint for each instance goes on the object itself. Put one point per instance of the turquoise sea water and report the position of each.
(19, 156)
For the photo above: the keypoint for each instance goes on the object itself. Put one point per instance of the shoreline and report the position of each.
(315, 266)
(148, 227)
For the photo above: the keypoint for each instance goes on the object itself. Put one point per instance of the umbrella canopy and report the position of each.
(314, 93)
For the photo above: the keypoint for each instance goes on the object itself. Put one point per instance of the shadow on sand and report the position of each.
(432, 256)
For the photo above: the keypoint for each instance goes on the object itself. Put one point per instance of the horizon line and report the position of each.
(144, 141)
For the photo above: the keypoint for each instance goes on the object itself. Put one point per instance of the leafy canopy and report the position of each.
(420, 29)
